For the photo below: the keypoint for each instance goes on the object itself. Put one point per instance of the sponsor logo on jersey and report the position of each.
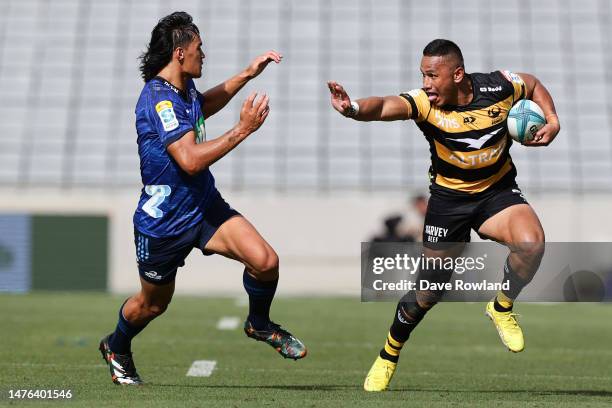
(490, 88)
(200, 130)
(512, 77)
(166, 114)
(478, 143)
(153, 275)
(495, 115)
(479, 158)
(445, 121)
(174, 88)
(469, 119)
(494, 112)
(519, 192)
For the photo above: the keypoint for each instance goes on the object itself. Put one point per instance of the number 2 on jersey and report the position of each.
(158, 195)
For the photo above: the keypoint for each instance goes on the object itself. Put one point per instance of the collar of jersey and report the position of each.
(182, 94)
(468, 106)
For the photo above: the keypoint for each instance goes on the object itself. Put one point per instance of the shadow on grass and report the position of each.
(313, 387)
(327, 387)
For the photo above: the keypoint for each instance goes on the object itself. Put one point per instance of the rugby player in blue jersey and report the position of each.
(180, 207)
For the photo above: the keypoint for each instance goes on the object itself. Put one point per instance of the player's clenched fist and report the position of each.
(546, 135)
(254, 112)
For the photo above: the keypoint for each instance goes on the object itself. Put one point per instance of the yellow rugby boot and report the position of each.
(380, 375)
(507, 327)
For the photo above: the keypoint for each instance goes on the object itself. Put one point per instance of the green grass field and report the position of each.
(49, 341)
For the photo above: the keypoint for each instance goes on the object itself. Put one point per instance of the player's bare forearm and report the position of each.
(370, 109)
(381, 108)
(194, 157)
(537, 92)
(216, 98)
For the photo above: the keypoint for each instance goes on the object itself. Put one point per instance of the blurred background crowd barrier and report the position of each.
(314, 183)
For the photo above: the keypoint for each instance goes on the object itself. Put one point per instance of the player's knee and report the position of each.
(427, 305)
(146, 309)
(155, 309)
(265, 262)
(152, 309)
(531, 246)
(427, 299)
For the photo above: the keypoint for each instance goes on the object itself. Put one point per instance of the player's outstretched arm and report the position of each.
(216, 98)
(384, 108)
(538, 93)
(193, 157)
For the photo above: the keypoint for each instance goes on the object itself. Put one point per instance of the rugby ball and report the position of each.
(524, 120)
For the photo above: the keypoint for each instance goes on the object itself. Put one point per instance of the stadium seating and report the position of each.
(69, 81)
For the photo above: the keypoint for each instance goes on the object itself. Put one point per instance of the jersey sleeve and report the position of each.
(517, 83)
(169, 116)
(419, 104)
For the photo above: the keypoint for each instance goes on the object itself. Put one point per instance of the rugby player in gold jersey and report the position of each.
(463, 117)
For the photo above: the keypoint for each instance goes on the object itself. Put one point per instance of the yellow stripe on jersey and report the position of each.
(457, 134)
(422, 104)
(473, 186)
(474, 159)
(459, 122)
(464, 152)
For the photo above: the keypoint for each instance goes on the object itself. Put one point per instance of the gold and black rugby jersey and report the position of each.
(469, 144)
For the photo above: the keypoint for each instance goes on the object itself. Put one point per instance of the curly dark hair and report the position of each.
(173, 31)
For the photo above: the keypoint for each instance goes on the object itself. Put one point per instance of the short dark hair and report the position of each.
(441, 48)
(174, 30)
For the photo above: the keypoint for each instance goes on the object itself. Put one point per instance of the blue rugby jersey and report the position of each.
(171, 201)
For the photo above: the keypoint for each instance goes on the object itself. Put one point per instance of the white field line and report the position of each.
(201, 368)
(228, 323)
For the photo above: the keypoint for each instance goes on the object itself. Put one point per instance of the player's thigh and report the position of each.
(447, 220)
(238, 239)
(516, 224)
(443, 250)
(158, 259)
